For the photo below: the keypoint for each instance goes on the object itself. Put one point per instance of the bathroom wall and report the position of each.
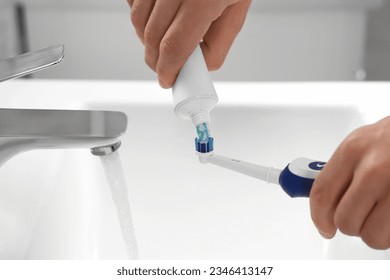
(378, 44)
(8, 41)
(282, 40)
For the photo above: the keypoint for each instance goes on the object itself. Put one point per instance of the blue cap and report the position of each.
(204, 147)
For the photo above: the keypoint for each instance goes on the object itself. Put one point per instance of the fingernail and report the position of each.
(163, 84)
(324, 235)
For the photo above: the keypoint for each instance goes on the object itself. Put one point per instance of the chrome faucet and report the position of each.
(26, 129)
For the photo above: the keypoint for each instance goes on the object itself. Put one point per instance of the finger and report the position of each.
(328, 189)
(222, 33)
(357, 202)
(376, 229)
(140, 13)
(182, 37)
(159, 21)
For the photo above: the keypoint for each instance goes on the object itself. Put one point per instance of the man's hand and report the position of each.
(171, 29)
(352, 193)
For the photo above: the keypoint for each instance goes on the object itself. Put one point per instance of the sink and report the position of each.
(56, 204)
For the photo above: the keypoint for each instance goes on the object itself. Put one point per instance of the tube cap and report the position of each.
(204, 147)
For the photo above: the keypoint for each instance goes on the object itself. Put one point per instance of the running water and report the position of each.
(115, 177)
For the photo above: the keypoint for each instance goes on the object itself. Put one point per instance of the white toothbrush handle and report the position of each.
(296, 179)
(268, 174)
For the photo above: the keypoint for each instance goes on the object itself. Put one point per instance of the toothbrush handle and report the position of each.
(298, 177)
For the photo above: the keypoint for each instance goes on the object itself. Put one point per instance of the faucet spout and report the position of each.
(106, 150)
(27, 129)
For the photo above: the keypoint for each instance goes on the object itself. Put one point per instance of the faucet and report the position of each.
(26, 129)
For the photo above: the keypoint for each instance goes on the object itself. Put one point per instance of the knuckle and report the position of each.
(371, 171)
(343, 223)
(135, 17)
(150, 37)
(357, 140)
(170, 46)
(352, 144)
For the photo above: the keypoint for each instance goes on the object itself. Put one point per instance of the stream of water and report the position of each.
(115, 177)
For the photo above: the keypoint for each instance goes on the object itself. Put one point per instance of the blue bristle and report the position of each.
(204, 147)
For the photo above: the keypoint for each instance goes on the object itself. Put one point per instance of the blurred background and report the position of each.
(283, 40)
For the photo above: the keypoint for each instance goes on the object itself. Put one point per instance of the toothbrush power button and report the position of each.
(317, 165)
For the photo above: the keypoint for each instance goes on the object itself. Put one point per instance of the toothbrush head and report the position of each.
(204, 146)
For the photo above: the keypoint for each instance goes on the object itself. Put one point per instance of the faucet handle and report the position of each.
(31, 62)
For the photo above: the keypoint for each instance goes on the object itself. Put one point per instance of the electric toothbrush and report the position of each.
(194, 96)
(296, 179)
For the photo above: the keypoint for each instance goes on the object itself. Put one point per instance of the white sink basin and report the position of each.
(55, 204)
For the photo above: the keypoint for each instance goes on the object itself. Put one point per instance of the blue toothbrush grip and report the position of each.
(298, 177)
(294, 185)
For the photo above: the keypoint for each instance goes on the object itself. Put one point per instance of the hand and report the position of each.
(352, 193)
(171, 30)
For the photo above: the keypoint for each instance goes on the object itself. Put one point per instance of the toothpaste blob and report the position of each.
(203, 132)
